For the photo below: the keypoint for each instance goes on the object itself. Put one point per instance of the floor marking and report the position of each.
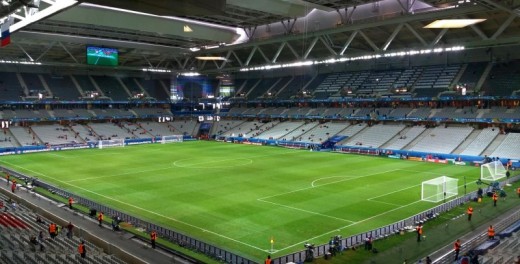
(324, 178)
(425, 172)
(375, 201)
(139, 208)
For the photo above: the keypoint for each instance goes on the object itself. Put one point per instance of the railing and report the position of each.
(229, 257)
(397, 227)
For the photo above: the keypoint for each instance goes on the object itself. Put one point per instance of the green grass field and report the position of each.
(239, 196)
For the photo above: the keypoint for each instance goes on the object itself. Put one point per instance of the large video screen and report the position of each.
(102, 56)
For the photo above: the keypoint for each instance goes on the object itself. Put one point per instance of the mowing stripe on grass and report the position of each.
(116, 175)
(139, 208)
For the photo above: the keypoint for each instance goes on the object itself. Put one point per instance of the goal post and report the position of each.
(492, 171)
(172, 139)
(438, 189)
(116, 142)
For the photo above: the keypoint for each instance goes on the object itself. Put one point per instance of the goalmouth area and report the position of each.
(239, 197)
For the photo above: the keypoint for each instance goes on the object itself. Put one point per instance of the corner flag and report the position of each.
(272, 240)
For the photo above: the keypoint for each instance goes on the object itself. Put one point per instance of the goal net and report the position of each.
(492, 171)
(171, 139)
(117, 142)
(438, 189)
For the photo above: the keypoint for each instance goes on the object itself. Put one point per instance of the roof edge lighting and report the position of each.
(345, 59)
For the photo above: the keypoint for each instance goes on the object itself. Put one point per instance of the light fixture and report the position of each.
(453, 23)
(189, 74)
(155, 70)
(210, 58)
(5, 3)
(187, 29)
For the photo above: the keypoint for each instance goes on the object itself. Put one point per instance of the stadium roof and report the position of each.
(169, 35)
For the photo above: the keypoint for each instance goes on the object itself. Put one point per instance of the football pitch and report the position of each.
(239, 197)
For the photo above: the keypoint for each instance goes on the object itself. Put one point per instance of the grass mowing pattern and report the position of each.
(239, 196)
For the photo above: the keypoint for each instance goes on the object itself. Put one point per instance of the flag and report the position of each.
(6, 35)
(272, 240)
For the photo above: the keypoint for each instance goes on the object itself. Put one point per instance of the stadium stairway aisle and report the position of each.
(86, 225)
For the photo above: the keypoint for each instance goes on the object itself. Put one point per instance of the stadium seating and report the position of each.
(55, 134)
(226, 125)
(503, 79)
(18, 225)
(155, 88)
(156, 129)
(24, 136)
(320, 132)
(108, 130)
(185, 127)
(298, 132)
(10, 86)
(480, 143)
(442, 139)
(374, 136)
(111, 87)
(151, 112)
(405, 137)
(350, 131)
(509, 147)
(62, 87)
(280, 130)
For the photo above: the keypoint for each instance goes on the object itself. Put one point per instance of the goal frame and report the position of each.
(492, 171)
(439, 189)
(106, 143)
(172, 139)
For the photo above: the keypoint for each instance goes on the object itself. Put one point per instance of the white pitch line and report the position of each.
(222, 160)
(400, 190)
(324, 178)
(355, 223)
(117, 175)
(58, 155)
(307, 211)
(139, 208)
(375, 201)
(307, 188)
(425, 172)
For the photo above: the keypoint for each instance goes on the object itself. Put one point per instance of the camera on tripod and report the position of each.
(309, 246)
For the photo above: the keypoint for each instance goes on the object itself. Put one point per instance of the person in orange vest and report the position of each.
(456, 248)
(495, 198)
(13, 186)
(491, 232)
(153, 237)
(70, 202)
(8, 177)
(268, 260)
(470, 212)
(82, 250)
(419, 230)
(100, 219)
(518, 192)
(52, 230)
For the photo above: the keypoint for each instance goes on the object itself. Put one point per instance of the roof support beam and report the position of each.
(46, 50)
(289, 27)
(251, 55)
(349, 40)
(238, 59)
(263, 55)
(331, 50)
(296, 55)
(369, 41)
(311, 46)
(421, 39)
(392, 37)
(280, 48)
(68, 52)
(438, 37)
(504, 25)
(25, 52)
(226, 60)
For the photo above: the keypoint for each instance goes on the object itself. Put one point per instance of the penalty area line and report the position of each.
(307, 211)
(139, 208)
